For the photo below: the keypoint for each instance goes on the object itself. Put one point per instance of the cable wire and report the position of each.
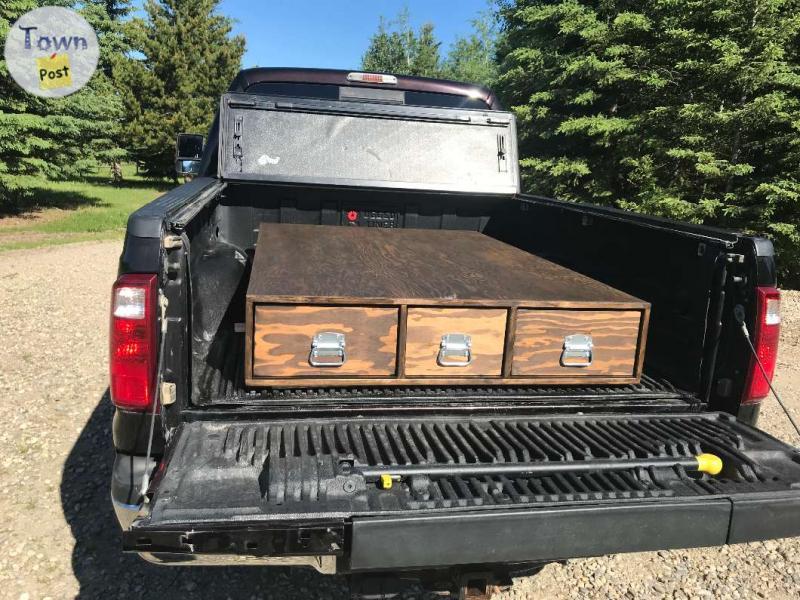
(156, 397)
(769, 383)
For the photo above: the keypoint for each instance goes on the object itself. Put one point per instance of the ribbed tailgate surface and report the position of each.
(277, 470)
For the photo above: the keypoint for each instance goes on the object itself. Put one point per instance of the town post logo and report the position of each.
(51, 51)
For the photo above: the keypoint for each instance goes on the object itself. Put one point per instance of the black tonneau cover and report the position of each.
(310, 141)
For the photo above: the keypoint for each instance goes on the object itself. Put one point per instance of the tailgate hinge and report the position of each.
(170, 242)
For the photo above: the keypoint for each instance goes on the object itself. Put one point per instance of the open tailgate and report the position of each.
(413, 492)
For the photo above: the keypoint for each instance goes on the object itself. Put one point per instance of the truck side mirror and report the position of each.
(188, 152)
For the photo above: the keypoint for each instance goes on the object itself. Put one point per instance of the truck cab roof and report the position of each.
(326, 83)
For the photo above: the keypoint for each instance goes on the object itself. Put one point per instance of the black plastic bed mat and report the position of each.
(260, 472)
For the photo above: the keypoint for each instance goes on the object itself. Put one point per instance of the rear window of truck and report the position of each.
(327, 91)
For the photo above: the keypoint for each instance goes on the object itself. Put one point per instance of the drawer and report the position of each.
(541, 340)
(426, 356)
(283, 337)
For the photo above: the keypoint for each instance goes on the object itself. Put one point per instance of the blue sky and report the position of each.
(334, 33)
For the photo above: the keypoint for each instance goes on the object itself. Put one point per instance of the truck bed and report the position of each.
(681, 273)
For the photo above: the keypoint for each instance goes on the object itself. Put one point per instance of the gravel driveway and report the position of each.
(58, 536)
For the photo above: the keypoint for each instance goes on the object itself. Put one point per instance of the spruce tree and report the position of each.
(680, 108)
(56, 138)
(397, 48)
(183, 58)
(472, 57)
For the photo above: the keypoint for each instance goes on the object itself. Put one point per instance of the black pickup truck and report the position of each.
(210, 471)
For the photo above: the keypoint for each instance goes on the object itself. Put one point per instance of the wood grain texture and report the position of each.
(282, 340)
(367, 265)
(395, 292)
(426, 326)
(540, 334)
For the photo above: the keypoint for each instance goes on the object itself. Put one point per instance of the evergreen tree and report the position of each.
(184, 58)
(397, 48)
(472, 58)
(55, 137)
(386, 52)
(107, 19)
(682, 108)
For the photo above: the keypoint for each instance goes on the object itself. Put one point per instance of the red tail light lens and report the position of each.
(765, 341)
(132, 352)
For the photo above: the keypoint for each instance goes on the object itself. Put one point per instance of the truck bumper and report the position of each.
(126, 483)
(562, 533)
(479, 537)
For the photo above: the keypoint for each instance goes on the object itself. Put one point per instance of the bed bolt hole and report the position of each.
(251, 545)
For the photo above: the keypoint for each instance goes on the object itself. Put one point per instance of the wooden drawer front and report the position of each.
(283, 334)
(426, 326)
(539, 342)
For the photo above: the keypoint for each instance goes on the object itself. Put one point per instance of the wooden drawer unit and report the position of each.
(576, 343)
(436, 342)
(349, 306)
(324, 341)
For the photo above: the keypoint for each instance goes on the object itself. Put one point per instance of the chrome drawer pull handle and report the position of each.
(577, 350)
(327, 350)
(455, 346)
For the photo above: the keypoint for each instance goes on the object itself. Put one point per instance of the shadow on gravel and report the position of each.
(103, 571)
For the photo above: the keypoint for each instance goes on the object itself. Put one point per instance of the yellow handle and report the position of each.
(709, 463)
(386, 481)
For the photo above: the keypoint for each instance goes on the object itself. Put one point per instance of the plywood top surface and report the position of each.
(319, 263)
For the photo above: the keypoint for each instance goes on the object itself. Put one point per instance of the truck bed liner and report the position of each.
(276, 470)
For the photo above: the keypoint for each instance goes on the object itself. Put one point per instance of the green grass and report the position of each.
(62, 212)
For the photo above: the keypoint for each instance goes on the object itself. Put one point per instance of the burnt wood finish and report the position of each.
(426, 326)
(321, 264)
(283, 337)
(395, 292)
(539, 341)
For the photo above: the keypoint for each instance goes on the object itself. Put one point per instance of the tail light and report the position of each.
(765, 341)
(132, 352)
